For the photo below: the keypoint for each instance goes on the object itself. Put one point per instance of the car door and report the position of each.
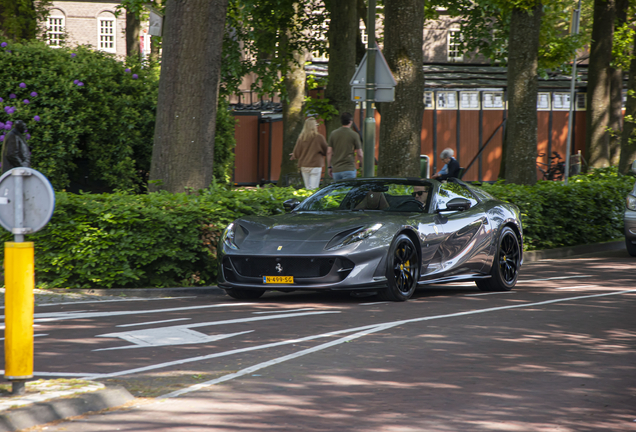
(466, 241)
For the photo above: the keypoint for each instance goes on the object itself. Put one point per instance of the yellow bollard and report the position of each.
(18, 334)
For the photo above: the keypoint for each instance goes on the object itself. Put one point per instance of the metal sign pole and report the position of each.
(369, 121)
(568, 145)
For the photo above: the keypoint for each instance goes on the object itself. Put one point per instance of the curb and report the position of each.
(573, 251)
(58, 409)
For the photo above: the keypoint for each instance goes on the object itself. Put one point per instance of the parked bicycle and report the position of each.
(553, 170)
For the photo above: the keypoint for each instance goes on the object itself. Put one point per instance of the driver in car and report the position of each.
(420, 193)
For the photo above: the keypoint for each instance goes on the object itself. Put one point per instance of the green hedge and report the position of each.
(587, 210)
(163, 240)
(154, 240)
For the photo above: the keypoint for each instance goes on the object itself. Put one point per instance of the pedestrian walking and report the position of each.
(15, 152)
(310, 151)
(344, 145)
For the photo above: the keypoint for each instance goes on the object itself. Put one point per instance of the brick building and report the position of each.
(88, 22)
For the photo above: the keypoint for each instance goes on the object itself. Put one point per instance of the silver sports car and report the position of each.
(385, 235)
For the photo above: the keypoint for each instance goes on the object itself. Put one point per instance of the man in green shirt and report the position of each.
(344, 144)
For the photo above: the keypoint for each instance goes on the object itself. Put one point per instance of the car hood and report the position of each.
(308, 232)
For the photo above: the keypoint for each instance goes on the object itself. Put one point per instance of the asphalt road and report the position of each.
(556, 354)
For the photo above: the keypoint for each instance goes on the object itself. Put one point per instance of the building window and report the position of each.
(107, 34)
(446, 100)
(455, 39)
(55, 31)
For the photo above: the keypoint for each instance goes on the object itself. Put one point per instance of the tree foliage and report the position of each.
(20, 19)
(485, 27)
(82, 107)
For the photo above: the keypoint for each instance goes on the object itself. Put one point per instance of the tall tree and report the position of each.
(598, 84)
(521, 137)
(21, 19)
(616, 89)
(628, 137)
(183, 150)
(343, 32)
(400, 140)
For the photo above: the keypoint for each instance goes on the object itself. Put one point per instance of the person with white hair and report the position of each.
(310, 151)
(451, 165)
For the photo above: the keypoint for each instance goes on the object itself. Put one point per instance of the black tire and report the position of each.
(403, 270)
(505, 266)
(245, 294)
(631, 247)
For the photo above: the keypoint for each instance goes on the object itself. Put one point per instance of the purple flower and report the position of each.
(1, 100)
(8, 126)
(73, 55)
(3, 44)
(1, 125)
(28, 136)
(33, 94)
(127, 70)
(9, 123)
(7, 108)
(12, 110)
(135, 76)
(36, 118)
(12, 96)
(9, 51)
(22, 85)
(80, 84)
(75, 82)
(1, 137)
(26, 101)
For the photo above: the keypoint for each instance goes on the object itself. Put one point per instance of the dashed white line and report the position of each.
(35, 335)
(109, 301)
(153, 322)
(284, 311)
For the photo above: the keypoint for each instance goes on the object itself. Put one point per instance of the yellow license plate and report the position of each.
(278, 279)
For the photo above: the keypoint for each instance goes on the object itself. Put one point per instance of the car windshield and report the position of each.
(390, 196)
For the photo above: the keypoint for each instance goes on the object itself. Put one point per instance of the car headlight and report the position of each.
(228, 236)
(631, 202)
(356, 236)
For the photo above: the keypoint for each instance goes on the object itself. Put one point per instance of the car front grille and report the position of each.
(244, 267)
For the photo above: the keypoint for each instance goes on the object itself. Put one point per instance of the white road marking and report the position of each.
(59, 316)
(2, 327)
(358, 329)
(284, 311)
(181, 332)
(167, 337)
(555, 278)
(35, 335)
(153, 322)
(579, 286)
(371, 304)
(109, 301)
(490, 293)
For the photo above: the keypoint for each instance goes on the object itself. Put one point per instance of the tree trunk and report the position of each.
(598, 85)
(133, 25)
(616, 94)
(401, 126)
(521, 134)
(343, 30)
(293, 113)
(628, 138)
(183, 151)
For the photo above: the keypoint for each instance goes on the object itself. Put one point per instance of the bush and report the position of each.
(588, 210)
(154, 240)
(88, 114)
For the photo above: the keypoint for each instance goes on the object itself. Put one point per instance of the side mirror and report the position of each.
(291, 204)
(634, 167)
(456, 204)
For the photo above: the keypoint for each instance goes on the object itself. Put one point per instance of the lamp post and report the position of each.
(369, 121)
(568, 146)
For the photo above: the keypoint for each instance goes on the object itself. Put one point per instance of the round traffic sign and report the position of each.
(37, 200)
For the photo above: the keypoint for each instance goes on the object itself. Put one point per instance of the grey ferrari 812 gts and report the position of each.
(383, 235)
